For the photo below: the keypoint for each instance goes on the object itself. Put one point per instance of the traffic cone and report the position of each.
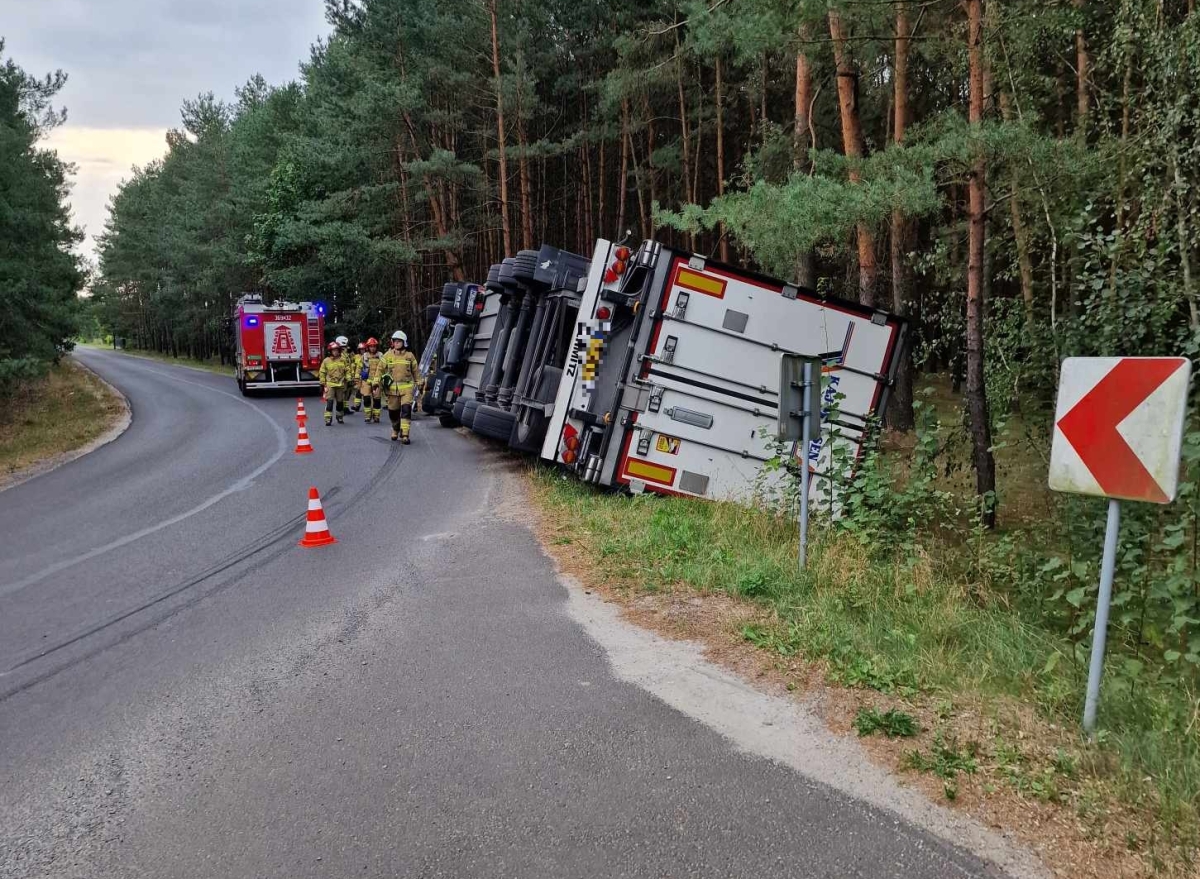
(301, 415)
(303, 446)
(316, 530)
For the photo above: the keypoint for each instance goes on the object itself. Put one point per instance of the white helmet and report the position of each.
(399, 334)
(343, 341)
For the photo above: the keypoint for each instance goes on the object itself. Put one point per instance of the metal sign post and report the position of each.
(1103, 602)
(806, 437)
(799, 420)
(1118, 431)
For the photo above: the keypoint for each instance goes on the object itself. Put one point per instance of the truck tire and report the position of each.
(525, 266)
(470, 407)
(447, 420)
(493, 422)
(530, 426)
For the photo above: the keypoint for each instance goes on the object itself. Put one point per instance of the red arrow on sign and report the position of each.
(1091, 427)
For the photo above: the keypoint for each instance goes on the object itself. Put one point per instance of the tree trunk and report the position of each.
(1185, 247)
(623, 180)
(588, 188)
(900, 412)
(685, 136)
(852, 142)
(601, 231)
(503, 171)
(803, 141)
(720, 100)
(647, 215)
(1020, 231)
(526, 205)
(977, 404)
(1082, 65)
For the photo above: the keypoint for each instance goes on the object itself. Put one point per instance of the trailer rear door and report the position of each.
(711, 373)
(684, 399)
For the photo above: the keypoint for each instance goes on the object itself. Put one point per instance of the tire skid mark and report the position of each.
(240, 485)
(336, 509)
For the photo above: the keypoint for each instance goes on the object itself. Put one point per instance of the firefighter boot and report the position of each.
(395, 435)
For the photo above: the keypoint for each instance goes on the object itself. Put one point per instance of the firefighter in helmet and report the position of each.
(356, 377)
(333, 375)
(348, 359)
(370, 375)
(399, 379)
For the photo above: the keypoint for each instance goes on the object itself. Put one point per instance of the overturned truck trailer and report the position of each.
(672, 385)
(658, 370)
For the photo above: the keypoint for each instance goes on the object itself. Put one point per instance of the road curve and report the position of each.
(186, 693)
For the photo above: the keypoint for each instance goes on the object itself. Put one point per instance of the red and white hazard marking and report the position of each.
(1118, 427)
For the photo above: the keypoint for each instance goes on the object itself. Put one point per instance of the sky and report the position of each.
(132, 63)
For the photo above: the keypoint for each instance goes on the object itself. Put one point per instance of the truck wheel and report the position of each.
(528, 431)
(525, 265)
(493, 422)
(470, 407)
(447, 420)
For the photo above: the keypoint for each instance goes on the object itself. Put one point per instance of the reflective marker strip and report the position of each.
(700, 283)
(314, 505)
(650, 472)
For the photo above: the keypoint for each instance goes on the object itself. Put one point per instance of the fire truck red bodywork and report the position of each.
(280, 345)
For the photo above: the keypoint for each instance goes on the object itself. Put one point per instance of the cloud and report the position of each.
(131, 64)
(102, 157)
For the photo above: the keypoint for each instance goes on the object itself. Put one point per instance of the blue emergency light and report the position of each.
(251, 321)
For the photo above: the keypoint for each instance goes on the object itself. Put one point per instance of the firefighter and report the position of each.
(399, 381)
(332, 376)
(348, 359)
(356, 380)
(372, 372)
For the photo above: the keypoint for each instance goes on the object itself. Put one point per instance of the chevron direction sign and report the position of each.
(1118, 427)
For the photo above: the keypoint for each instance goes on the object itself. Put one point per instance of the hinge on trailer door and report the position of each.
(668, 352)
(790, 292)
(681, 304)
(696, 262)
(656, 395)
(879, 318)
(635, 397)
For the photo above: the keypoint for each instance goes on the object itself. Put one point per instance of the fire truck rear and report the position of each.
(278, 345)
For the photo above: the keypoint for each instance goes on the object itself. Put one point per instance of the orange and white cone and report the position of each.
(303, 446)
(316, 529)
(301, 415)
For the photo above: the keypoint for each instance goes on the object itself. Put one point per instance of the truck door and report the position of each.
(708, 381)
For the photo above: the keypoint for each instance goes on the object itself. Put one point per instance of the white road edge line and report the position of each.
(240, 485)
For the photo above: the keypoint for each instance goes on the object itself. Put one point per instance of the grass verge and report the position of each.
(993, 697)
(213, 365)
(64, 410)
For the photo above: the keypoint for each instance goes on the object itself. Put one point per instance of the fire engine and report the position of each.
(280, 345)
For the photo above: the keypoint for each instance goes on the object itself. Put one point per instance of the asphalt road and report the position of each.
(186, 693)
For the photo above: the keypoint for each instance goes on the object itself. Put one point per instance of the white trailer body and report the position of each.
(673, 383)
